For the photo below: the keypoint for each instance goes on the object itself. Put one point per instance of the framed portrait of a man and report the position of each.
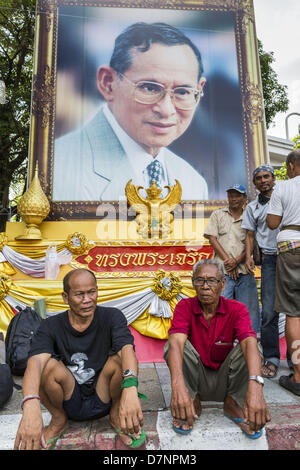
(155, 91)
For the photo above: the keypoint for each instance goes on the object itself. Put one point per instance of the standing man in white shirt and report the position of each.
(152, 87)
(284, 211)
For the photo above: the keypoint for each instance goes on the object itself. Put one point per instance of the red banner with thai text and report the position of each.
(144, 258)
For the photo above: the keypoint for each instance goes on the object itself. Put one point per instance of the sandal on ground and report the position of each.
(287, 382)
(136, 443)
(271, 370)
(53, 441)
(237, 421)
(180, 429)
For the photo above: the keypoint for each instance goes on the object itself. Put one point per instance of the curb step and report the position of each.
(212, 431)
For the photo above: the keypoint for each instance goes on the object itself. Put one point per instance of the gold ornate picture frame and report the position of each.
(238, 18)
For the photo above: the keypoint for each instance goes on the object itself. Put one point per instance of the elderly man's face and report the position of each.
(209, 292)
(155, 125)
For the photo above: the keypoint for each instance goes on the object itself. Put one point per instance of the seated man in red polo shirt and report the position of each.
(205, 361)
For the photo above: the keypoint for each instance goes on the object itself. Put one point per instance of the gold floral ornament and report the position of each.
(33, 207)
(5, 285)
(78, 244)
(166, 286)
(3, 240)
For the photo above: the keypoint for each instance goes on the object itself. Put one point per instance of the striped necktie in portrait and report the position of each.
(154, 170)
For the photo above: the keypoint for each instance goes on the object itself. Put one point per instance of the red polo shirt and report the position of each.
(214, 342)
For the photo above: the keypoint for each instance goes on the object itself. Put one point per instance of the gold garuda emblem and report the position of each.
(154, 214)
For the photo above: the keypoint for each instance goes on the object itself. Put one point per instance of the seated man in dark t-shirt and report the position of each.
(82, 365)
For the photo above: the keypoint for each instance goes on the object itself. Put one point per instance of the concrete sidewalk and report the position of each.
(211, 432)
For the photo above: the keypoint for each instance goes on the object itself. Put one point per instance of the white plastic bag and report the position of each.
(52, 264)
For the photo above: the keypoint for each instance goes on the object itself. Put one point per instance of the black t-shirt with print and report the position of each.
(86, 352)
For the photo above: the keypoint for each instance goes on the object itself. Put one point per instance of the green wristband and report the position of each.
(133, 382)
(130, 382)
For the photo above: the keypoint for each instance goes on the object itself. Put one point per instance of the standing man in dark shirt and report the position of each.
(79, 366)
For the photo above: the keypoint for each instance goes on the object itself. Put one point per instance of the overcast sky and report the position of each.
(278, 27)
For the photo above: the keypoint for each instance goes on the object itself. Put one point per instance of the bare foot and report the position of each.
(54, 429)
(269, 370)
(231, 408)
(179, 423)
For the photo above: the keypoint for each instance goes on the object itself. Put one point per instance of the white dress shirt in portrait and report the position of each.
(138, 157)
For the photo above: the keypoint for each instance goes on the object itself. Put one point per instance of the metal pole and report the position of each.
(286, 124)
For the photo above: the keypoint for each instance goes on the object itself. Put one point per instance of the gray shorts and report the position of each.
(231, 379)
(287, 297)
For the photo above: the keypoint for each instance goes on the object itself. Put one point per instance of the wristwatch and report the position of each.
(128, 373)
(257, 378)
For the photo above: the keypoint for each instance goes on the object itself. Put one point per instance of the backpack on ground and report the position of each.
(20, 332)
(6, 384)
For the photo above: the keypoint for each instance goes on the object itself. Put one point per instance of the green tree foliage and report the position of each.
(275, 94)
(281, 173)
(297, 142)
(17, 22)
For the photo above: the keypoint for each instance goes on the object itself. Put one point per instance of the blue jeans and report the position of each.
(269, 327)
(244, 289)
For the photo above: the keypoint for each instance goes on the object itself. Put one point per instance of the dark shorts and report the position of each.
(80, 407)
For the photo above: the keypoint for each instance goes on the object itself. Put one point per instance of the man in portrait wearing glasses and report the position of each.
(204, 360)
(152, 87)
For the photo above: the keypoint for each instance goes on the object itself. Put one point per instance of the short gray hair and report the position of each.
(293, 157)
(214, 262)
